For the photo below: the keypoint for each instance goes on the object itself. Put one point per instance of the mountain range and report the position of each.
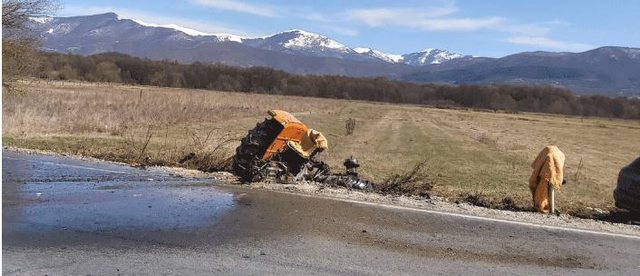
(606, 70)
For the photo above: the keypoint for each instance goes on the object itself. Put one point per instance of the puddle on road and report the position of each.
(42, 193)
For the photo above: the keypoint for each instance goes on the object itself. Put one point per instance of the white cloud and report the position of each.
(543, 41)
(445, 19)
(431, 19)
(538, 35)
(459, 24)
(240, 6)
(387, 16)
(201, 26)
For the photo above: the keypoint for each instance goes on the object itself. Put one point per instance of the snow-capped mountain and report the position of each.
(426, 57)
(379, 55)
(429, 56)
(302, 43)
(188, 31)
(110, 32)
(306, 43)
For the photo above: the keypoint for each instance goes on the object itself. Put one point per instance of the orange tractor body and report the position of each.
(292, 130)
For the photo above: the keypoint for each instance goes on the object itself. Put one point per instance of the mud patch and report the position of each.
(512, 258)
(506, 203)
(403, 232)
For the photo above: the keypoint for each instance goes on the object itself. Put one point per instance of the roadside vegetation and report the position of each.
(480, 157)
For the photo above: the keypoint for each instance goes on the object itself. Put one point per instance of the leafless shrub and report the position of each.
(576, 175)
(199, 142)
(145, 143)
(203, 154)
(136, 147)
(216, 159)
(350, 125)
(414, 181)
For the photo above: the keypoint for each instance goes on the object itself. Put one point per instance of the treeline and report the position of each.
(119, 68)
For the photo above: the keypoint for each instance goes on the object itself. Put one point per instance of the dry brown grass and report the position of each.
(103, 108)
(473, 156)
(143, 125)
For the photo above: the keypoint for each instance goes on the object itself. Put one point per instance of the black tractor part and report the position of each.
(248, 162)
(627, 192)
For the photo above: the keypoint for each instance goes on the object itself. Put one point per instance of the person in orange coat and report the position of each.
(547, 169)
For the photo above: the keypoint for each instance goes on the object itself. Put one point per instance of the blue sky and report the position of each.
(483, 28)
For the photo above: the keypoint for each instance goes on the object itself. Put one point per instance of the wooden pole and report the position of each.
(552, 200)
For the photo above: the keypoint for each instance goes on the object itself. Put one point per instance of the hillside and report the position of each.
(613, 71)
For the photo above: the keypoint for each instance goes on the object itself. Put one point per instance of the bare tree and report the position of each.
(16, 13)
(19, 44)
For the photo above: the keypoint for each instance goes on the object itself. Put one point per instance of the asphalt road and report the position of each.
(68, 217)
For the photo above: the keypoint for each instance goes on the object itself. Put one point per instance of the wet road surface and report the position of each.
(69, 217)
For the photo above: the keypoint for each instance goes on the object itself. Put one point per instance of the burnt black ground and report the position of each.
(63, 216)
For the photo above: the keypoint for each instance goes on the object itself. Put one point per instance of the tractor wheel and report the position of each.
(248, 158)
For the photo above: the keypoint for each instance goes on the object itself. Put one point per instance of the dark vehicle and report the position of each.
(627, 193)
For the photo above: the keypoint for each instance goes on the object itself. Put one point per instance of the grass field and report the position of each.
(470, 155)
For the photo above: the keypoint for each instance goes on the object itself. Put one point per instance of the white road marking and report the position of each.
(505, 221)
(66, 165)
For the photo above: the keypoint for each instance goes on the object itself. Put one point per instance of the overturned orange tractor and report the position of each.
(282, 149)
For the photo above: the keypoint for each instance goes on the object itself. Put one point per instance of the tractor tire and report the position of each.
(248, 158)
(627, 192)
